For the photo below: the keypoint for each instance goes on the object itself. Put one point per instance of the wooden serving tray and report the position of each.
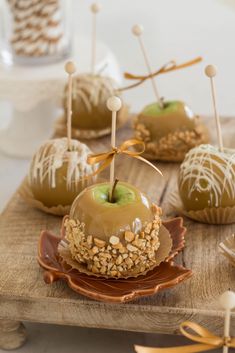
(25, 296)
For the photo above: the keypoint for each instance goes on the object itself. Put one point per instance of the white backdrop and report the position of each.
(174, 29)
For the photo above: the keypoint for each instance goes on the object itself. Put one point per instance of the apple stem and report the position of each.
(111, 198)
(162, 103)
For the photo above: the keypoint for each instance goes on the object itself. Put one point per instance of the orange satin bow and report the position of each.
(170, 66)
(107, 157)
(206, 341)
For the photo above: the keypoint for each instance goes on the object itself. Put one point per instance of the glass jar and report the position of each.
(34, 31)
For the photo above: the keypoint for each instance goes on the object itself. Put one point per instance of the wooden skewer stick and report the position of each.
(70, 69)
(137, 30)
(227, 301)
(114, 104)
(95, 8)
(211, 72)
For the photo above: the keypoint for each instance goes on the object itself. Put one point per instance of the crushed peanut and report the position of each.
(174, 145)
(134, 254)
(129, 236)
(100, 243)
(114, 240)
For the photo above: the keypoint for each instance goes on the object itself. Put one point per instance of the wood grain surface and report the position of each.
(25, 296)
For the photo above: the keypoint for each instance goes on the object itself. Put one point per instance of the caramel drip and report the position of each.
(207, 174)
(52, 155)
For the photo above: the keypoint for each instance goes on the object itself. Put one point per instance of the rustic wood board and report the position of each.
(25, 296)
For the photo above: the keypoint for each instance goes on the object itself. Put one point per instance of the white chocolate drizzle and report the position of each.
(206, 169)
(93, 90)
(52, 155)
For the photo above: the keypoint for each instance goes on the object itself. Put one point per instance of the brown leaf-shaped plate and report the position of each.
(166, 275)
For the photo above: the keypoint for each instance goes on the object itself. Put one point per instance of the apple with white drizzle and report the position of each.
(56, 174)
(207, 174)
(58, 168)
(207, 178)
(91, 118)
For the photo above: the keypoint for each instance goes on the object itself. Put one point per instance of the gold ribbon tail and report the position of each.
(206, 341)
(168, 67)
(149, 163)
(106, 158)
(194, 348)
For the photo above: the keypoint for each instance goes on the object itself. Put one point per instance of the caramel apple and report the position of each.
(207, 178)
(59, 168)
(56, 174)
(169, 132)
(91, 117)
(169, 129)
(117, 238)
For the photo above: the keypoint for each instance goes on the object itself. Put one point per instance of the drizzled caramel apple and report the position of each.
(207, 175)
(170, 131)
(56, 174)
(91, 117)
(116, 238)
(207, 178)
(59, 169)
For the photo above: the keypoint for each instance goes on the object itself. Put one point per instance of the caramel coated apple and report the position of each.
(207, 178)
(90, 113)
(55, 174)
(169, 132)
(115, 239)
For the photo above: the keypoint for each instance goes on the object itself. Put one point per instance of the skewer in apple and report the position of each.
(138, 31)
(114, 104)
(58, 168)
(168, 128)
(91, 118)
(207, 175)
(113, 228)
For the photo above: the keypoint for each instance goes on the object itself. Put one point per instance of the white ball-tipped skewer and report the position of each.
(114, 104)
(95, 8)
(70, 69)
(227, 301)
(137, 30)
(211, 72)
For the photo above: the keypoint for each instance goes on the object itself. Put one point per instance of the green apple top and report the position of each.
(162, 121)
(130, 210)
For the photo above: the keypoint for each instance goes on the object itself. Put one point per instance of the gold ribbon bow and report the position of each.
(206, 341)
(107, 157)
(170, 66)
